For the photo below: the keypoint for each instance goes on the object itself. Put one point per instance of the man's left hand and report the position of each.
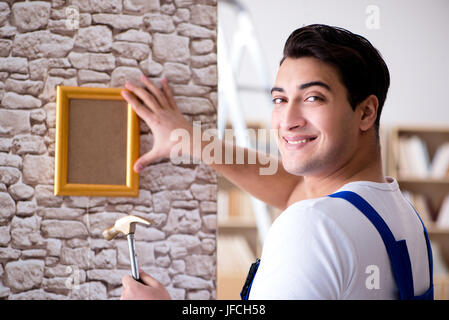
(151, 289)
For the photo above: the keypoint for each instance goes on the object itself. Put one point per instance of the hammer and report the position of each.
(127, 226)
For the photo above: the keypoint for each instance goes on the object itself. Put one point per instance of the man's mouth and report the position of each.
(299, 140)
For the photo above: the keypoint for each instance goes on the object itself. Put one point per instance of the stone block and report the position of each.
(29, 16)
(5, 12)
(170, 48)
(122, 74)
(137, 51)
(177, 72)
(28, 144)
(24, 87)
(112, 277)
(21, 191)
(10, 160)
(63, 229)
(195, 32)
(9, 175)
(5, 47)
(134, 36)
(120, 22)
(78, 257)
(106, 6)
(13, 64)
(203, 15)
(41, 44)
(38, 169)
(165, 176)
(194, 105)
(158, 23)
(5, 235)
(190, 282)
(151, 68)
(92, 61)
(183, 221)
(202, 46)
(205, 76)
(12, 100)
(24, 274)
(141, 5)
(206, 192)
(45, 197)
(94, 38)
(13, 122)
(86, 76)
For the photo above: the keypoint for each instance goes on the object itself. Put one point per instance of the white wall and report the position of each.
(412, 37)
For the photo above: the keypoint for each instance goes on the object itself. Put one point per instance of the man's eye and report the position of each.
(314, 98)
(278, 100)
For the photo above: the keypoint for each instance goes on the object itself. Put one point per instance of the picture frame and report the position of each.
(96, 143)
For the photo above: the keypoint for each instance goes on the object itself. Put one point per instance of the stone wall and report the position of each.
(52, 247)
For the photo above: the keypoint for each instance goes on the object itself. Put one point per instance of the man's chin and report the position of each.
(307, 169)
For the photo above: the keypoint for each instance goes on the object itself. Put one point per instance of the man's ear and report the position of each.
(368, 112)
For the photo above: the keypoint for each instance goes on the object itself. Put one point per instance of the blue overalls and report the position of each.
(397, 252)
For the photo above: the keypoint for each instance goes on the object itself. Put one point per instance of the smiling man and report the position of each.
(346, 231)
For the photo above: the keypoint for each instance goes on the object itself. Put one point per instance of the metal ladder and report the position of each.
(228, 91)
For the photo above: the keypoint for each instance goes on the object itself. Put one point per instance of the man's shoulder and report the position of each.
(311, 213)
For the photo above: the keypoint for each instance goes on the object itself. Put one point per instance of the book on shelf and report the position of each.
(413, 157)
(421, 204)
(443, 215)
(414, 160)
(440, 163)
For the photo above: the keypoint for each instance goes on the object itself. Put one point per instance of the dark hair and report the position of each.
(362, 69)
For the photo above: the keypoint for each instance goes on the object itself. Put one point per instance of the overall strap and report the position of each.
(429, 294)
(397, 250)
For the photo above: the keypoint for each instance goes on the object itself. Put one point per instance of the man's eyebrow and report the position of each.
(276, 89)
(314, 83)
(305, 86)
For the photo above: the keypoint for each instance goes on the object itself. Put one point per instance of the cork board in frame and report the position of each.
(97, 143)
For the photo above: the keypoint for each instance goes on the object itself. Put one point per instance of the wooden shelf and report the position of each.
(434, 190)
(405, 180)
(435, 231)
(237, 223)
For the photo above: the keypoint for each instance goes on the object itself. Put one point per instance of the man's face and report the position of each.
(317, 129)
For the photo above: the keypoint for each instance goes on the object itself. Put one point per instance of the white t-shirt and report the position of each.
(325, 248)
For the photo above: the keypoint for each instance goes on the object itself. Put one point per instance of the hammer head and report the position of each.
(125, 225)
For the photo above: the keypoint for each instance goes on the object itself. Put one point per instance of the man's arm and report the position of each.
(274, 189)
(159, 110)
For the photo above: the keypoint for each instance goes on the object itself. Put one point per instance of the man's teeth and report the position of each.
(299, 141)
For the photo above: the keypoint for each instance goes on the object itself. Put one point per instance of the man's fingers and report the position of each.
(145, 160)
(128, 281)
(138, 107)
(155, 91)
(144, 95)
(168, 94)
(149, 280)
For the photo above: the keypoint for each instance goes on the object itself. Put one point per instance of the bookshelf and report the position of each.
(418, 157)
(238, 239)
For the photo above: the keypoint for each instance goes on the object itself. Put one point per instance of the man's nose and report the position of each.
(292, 117)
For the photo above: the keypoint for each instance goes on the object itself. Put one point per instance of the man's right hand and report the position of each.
(158, 109)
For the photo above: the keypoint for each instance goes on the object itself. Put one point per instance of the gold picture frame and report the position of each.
(97, 143)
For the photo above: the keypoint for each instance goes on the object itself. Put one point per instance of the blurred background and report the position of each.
(412, 38)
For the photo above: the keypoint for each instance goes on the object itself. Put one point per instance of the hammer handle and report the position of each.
(133, 257)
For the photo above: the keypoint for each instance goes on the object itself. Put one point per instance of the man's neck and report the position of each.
(365, 167)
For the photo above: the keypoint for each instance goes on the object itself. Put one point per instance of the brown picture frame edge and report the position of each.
(62, 186)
